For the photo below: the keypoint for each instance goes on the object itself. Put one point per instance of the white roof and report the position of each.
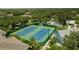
(55, 23)
(70, 21)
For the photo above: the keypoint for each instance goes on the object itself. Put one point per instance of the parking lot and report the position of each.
(11, 43)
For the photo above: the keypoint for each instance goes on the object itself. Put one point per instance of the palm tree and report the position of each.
(34, 45)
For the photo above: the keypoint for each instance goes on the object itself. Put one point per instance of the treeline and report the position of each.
(22, 16)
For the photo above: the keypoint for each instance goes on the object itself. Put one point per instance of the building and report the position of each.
(71, 23)
(55, 23)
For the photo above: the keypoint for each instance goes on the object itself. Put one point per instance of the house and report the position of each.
(71, 23)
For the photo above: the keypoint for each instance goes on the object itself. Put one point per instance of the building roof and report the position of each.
(55, 23)
(70, 21)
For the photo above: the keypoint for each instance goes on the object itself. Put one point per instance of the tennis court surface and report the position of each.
(39, 33)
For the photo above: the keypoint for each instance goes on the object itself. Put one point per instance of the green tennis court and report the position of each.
(39, 33)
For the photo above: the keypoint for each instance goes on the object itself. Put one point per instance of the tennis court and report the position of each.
(39, 33)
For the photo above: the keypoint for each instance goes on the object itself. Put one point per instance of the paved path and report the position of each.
(11, 43)
(46, 45)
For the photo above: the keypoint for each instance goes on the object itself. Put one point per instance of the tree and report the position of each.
(34, 45)
(54, 46)
(53, 40)
(71, 42)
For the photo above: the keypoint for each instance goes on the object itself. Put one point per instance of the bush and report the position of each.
(34, 45)
(71, 42)
(55, 47)
(8, 33)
